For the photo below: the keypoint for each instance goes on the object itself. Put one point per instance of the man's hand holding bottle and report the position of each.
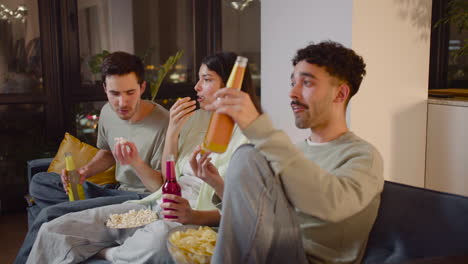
(65, 177)
(236, 104)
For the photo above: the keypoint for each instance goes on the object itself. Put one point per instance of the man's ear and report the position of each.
(343, 93)
(104, 86)
(142, 87)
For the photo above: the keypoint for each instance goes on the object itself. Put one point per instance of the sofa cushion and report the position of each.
(82, 153)
(415, 223)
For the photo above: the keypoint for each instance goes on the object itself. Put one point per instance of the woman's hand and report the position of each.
(180, 208)
(179, 113)
(205, 170)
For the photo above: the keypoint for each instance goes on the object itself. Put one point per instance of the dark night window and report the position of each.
(449, 40)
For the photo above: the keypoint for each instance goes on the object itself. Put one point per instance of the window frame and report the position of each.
(207, 39)
(439, 51)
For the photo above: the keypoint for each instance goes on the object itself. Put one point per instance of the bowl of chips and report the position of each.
(190, 244)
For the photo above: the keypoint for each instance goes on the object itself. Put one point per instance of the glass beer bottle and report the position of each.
(220, 128)
(75, 189)
(170, 185)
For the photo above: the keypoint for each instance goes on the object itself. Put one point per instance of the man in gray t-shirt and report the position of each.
(148, 137)
(314, 202)
(129, 127)
(131, 130)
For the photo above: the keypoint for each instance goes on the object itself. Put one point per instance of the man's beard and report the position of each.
(131, 112)
(127, 116)
(302, 121)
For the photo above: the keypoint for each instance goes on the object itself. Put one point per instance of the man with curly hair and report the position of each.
(314, 202)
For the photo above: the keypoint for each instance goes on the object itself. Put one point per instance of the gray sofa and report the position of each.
(412, 223)
(416, 223)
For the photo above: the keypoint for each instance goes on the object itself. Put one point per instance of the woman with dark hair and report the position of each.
(222, 63)
(200, 176)
(213, 75)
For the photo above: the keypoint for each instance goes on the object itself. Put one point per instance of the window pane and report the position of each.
(22, 135)
(241, 33)
(87, 118)
(457, 65)
(167, 102)
(20, 55)
(153, 30)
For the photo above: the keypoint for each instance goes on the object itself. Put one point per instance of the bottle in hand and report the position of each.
(220, 128)
(170, 185)
(75, 189)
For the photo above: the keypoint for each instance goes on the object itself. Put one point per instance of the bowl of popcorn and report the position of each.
(190, 244)
(131, 219)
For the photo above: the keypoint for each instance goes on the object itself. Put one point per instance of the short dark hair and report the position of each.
(222, 63)
(121, 63)
(339, 62)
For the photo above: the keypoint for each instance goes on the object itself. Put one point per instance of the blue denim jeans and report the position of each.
(51, 202)
(258, 224)
(46, 188)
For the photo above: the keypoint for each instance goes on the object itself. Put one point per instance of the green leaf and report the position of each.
(162, 72)
(95, 61)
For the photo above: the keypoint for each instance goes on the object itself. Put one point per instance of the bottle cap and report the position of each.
(203, 148)
(170, 157)
(242, 61)
(69, 163)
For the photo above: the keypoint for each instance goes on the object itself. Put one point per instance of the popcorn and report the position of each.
(120, 140)
(132, 219)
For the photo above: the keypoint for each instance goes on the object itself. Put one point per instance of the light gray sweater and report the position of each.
(335, 188)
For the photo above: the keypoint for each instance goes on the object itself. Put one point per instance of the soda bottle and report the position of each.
(170, 185)
(220, 128)
(75, 189)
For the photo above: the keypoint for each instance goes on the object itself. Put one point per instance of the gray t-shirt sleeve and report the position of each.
(102, 136)
(337, 194)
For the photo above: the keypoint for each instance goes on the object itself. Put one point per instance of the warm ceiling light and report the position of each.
(9, 14)
(239, 5)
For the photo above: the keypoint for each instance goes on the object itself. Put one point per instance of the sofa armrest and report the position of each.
(37, 165)
(417, 223)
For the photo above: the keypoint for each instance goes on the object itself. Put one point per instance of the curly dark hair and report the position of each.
(121, 63)
(339, 62)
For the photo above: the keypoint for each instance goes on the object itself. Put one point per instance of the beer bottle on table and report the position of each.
(170, 185)
(220, 128)
(75, 189)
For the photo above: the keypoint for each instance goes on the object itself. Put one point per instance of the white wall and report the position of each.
(121, 26)
(390, 110)
(285, 27)
(238, 34)
(393, 36)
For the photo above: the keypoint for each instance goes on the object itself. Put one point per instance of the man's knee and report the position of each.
(147, 243)
(45, 229)
(38, 182)
(156, 232)
(51, 212)
(247, 162)
(246, 154)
